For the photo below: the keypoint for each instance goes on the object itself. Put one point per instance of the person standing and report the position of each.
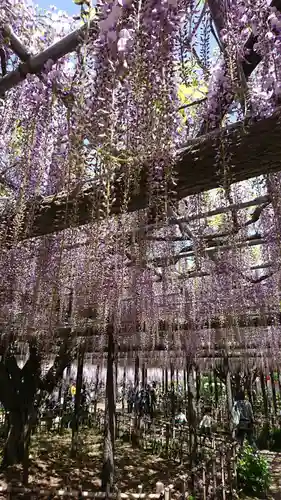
(206, 424)
(181, 418)
(243, 419)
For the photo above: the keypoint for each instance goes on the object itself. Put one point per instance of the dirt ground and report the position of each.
(275, 465)
(52, 468)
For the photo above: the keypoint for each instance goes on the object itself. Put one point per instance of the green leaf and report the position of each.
(216, 221)
(256, 252)
(192, 93)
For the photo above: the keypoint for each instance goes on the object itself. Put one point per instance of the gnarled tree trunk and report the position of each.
(14, 448)
(21, 391)
(18, 391)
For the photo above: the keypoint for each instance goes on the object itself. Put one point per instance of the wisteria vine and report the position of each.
(122, 100)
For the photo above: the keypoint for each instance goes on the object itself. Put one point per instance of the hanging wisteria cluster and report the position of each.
(146, 77)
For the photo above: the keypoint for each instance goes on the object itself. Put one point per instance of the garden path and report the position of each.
(274, 459)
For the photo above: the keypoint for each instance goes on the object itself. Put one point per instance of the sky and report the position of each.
(66, 5)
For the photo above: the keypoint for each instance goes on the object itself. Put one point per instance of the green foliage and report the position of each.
(256, 253)
(275, 440)
(253, 472)
(217, 221)
(17, 139)
(263, 437)
(192, 89)
(207, 392)
(189, 94)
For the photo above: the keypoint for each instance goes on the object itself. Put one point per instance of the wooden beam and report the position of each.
(253, 151)
(211, 352)
(35, 64)
(15, 43)
(247, 320)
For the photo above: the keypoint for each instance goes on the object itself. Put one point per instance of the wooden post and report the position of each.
(124, 389)
(214, 468)
(234, 465)
(65, 395)
(116, 373)
(76, 414)
(223, 477)
(191, 422)
(198, 388)
(279, 382)
(204, 481)
(167, 439)
(264, 395)
(96, 388)
(274, 400)
(228, 388)
(166, 380)
(137, 369)
(185, 386)
(110, 416)
(167, 494)
(229, 472)
(143, 381)
(173, 407)
(216, 389)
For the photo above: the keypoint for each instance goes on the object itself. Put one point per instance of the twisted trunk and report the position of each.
(18, 391)
(14, 448)
(21, 391)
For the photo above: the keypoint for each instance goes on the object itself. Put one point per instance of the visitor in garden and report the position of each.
(243, 419)
(181, 418)
(206, 423)
(153, 399)
(84, 397)
(131, 397)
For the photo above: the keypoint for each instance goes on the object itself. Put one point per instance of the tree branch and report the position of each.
(35, 64)
(65, 355)
(248, 65)
(194, 103)
(3, 61)
(188, 251)
(15, 43)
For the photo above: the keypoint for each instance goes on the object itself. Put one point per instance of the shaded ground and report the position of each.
(51, 466)
(275, 464)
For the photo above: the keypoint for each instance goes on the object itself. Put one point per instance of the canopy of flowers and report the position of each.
(142, 79)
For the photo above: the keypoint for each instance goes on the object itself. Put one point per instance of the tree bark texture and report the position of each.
(107, 475)
(17, 394)
(21, 391)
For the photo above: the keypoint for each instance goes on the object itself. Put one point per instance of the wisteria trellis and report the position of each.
(115, 101)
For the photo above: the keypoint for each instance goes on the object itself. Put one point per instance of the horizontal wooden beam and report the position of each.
(243, 352)
(254, 150)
